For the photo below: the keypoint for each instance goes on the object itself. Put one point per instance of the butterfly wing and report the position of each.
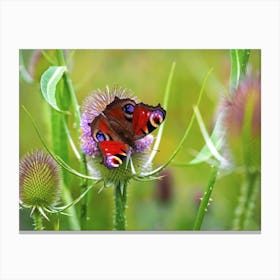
(119, 114)
(115, 120)
(114, 153)
(101, 129)
(121, 110)
(146, 119)
(121, 123)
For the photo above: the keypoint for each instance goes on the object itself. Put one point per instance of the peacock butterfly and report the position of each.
(122, 122)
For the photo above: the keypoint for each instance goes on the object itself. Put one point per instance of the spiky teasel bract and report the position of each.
(135, 163)
(242, 121)
(40, 182)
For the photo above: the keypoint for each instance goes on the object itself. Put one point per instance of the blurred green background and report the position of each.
(145, 72)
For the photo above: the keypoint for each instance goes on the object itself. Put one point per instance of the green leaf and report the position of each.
(239, 62)
(235, 69)
(244, 59)
(214, 152)
(217, 139)
(78, 199)
(49, 81)
(206, 198)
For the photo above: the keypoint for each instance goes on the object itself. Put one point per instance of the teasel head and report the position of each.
(247, 94)
(39, 182)
(242, 120)
(124, 167)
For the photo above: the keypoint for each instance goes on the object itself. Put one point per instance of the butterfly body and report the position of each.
(120, 125)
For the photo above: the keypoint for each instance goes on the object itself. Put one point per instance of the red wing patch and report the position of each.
(146, 119)
(113, 153)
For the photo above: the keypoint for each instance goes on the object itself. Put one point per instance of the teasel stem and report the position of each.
(120, 195)
(247, 201)
(251, 202)
(77, 118)
(251, 185)
(84, 186)
(37, 220)
(68, 81)
(206, 198)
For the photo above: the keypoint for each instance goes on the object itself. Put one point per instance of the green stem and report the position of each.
(250, 187)
(67, 79)
(57, 222)
(246, 201)
(120, 194)
(73, 218)
(251, 201)
(84, 186)
(77, 119)
(206, 197)
(38, 220)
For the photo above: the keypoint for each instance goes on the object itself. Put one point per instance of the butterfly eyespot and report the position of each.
(128, 110)
(113, 161)
(100, 136)
(156, 118)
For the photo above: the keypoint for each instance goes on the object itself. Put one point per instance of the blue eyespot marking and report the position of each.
(128, 108)
(100, 136)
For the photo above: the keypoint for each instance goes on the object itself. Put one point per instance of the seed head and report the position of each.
(249, 91)
(40, 180)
